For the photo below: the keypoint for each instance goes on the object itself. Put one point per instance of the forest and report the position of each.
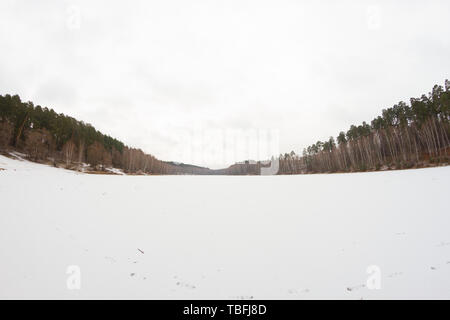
(404, 136)
(46, 136)
(407, 135)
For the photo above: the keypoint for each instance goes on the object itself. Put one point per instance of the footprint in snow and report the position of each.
(185, 285)
(356, 287)
(242, 297)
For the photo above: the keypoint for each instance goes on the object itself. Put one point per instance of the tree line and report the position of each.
(407, 135)
(42, 134)
(403, 136)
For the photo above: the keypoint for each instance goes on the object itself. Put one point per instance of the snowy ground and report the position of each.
(217, 237)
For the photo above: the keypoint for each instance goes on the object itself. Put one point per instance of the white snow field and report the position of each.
(223, 237)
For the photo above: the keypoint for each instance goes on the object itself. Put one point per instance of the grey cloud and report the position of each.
(148, 71)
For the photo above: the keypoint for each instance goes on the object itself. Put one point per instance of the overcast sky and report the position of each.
(159, 74)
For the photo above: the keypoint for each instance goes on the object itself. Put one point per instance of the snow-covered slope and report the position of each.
(261, 237)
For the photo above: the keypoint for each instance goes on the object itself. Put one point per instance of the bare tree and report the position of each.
(6, 133)
(68, 152)
(39, 144)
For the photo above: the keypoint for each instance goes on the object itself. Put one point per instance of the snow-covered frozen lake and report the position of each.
(223, 237)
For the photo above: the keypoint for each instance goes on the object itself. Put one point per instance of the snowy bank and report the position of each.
(230, 237)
